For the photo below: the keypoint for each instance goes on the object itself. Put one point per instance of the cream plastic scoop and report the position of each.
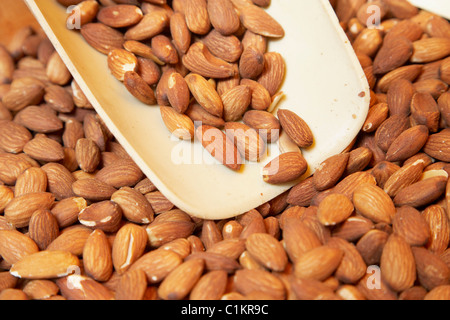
(439, 7)
(324, 84)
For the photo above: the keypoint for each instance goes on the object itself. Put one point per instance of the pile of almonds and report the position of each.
(206, 65)
(80, 220)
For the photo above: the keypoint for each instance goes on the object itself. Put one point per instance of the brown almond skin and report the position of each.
(267, 250)
(285, 168)
(267, 125)
(411, 225)
(296, 128)
(422, 192)
(408, 143)
(140, 89)
(102, 37)
(223, 16)
(432, 272)
(397, 264)
(120, 16)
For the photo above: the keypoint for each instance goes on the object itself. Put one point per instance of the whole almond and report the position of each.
(371, 245)
(438, 226)
(200, 60)
(408, 72)
(71, 239)
(45, 265)
(412, 226)
(267, 125)
(97, 260)
(285, 168)
(219, 146)
(40, 289)
(393, 54)
(425, 111)
(87, 155)
(120, 61)
(178, 92)
(132, 286)
(139, 88)
(273, 73)
(93, 189)
(180, 125)
(135, 207)
(246, 281)
(422, 192)
(59, 180)
(432, 272)
(20, 209)
(334, 208)
(38, 119)
(436, 145)
(43, 228)
(296, 128)
(211, 286)
(59, 99)
(352, 267)
(267, 250)
(6, 195)
(16, 245)
(298, 238)
(84, 12)
(399, 97)
(261, 99)
(260, 22)
(403, 177)
(152, 24)
(427, 50)
(42, 148)
(162, 232)
(235, 102)
(66, 211)
(223, 16)
(181, 280)
(159, 203)
(104, 215)
(157, 264)
(57, 71)
(80, 287)
(408, 143)
(372, 202)
(130, 174)
(318, 263)
(205, 94)
(180, 32)
(24, 92)
(120, 16)
(128, 246)
(102, 37)
(397, 264)
(249, 143)
(13, 136)
(197, 17)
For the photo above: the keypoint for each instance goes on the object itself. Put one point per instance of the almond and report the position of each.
(80, 287)
(285, 168)
(267, 250)
(397, 264)
(40, 289)
(181, 280)
(130, 174)
(120, 16)
(178, 92)
(120, 61)
(273, 73)
(97, 260)
(180, 32)
(235, 102)
(296, 128)
(87, 155)
(198, 114)
(164, 50)
(246, 139)
(66, 211)
(298, 238)
(260, 22)
(45, 265)
(246, 281)
(399, 97)
(180, 125)
(223, 16)
(373, 203)
(13, 136)
(58, 98)
(139, 88)
(93, 189)
(334, 209)
(267, 125)
(152, 24)
(393, 54)
(135, 207)
(43, 228)
(376, 116)
(371, 245)
(84, 12)
(38, 119)
(200, 60)
(211, 286)
(15, 245)
(128, 246)
(20, 209)
(436, 145)
(162, 232)
(104, 215)
(205, 94)
(422, 192)
(219, 146)
(251, 63)
(197, 17)
(132, 286)
(409, 224)
(432, 272)
(24, 92)
(261, 99)
(403, 177)
(159, 202)
(71, 239)
(408, 143)
(439, 228)
(432, 49)
(408, 72)
(425, 111)
(42, 148)
(57, 71)
(157, 264)
(59, 180)
(318, 263)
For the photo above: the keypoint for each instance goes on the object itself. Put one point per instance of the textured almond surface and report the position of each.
(81, 221)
